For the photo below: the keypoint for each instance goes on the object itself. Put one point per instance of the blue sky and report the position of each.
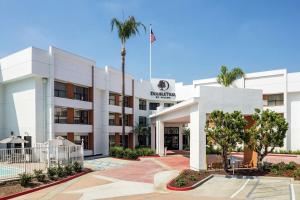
(194, 38)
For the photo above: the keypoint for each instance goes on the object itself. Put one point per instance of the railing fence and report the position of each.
(15, 161)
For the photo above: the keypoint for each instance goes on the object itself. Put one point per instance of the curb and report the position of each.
(190, 187)
(46, 186)
(138, 159)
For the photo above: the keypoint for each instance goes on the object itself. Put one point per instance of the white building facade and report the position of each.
(49, 93)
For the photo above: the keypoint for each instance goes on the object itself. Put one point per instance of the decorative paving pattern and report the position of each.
(104, 163)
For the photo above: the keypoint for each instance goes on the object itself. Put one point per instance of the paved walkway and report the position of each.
(121, 179)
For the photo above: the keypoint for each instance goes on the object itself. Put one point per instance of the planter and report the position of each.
(46, 185)
(188, 187)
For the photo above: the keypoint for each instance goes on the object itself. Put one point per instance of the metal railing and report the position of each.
(16, 161)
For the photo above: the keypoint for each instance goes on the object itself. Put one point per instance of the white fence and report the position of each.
(24, 160)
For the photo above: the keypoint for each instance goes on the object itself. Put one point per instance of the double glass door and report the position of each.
(172, 138)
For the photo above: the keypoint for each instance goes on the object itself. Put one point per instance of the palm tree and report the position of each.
(226, 77)
(141, 130)
(126, 29)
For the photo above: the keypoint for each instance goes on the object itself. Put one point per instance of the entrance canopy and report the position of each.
(195, 110)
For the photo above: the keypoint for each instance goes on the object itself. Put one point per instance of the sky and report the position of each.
(194, 37)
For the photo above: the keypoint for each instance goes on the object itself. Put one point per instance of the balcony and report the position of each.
(72, 103)
(77, 128)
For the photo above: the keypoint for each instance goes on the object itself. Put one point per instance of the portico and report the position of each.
(195, 111)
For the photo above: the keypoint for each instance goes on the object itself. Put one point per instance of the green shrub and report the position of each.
(52, 173)
(297, 152)
(192, 178)
(68, 170)
(77, 167)
(60, 171)
(296, 173)
(25, 179)
(213, 150)
(267, 166)
(180, 182)
(145, 151)
(130, 154)
(116, 151)
(39, 175)
(291, 166)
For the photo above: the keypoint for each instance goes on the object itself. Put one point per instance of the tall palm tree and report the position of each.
(126, 29)
(226, 77)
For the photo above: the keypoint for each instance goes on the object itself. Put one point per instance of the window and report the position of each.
(81, 93)
(60, 115)
(112, 99)
(142, 121)
(112, 141)
(127, 102)
(166, 105)
(60, 89)
(273, 100)
(112, 120)
(78, 139)
(142, 104)
(81, 117)
(153, 106)
(126, 120)
(171, 130)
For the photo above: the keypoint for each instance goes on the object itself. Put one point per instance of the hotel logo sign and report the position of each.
(163, 89)
(163, 85)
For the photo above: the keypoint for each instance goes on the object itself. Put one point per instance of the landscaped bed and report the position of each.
(130, 154)
(189, 179)
(33, 182)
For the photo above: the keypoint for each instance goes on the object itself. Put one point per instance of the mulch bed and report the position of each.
(188, 178)
(8, 188)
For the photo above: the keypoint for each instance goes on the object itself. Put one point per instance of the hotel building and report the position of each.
(49, 93)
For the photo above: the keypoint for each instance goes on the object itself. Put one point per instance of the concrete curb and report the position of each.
(190, 187)
(46, 186)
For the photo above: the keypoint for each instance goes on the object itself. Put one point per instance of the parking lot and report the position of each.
(249, 188)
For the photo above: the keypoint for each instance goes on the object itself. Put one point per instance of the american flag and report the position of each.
(152, 37)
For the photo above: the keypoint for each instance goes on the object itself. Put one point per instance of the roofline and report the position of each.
(181, 105)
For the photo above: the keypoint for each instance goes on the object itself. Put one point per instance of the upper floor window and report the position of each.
(153, 106)
(112, 119)
(81, 117)
(166, 105)
(127, 101)
(60, 115)
(142, 104)
(81, 93)
(142, 121)
(60, 89)
(112, 99)
(273, 100)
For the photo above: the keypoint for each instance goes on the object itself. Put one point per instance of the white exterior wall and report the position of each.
(30, 74)
(23, 108)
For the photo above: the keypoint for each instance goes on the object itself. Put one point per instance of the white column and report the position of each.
(197, 140)
(180, 137)
(153, 136)
(160, 143)
(50, 97)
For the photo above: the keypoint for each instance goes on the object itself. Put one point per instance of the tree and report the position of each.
(225, 130)
(226, 77)
(141, 130)
(126, 29)
(268, 132)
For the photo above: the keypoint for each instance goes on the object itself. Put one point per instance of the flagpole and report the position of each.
(150, 52)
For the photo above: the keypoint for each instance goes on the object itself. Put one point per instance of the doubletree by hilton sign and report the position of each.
(163, 89)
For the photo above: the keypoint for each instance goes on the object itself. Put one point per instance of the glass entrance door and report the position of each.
(172, 141)
(172, 138)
